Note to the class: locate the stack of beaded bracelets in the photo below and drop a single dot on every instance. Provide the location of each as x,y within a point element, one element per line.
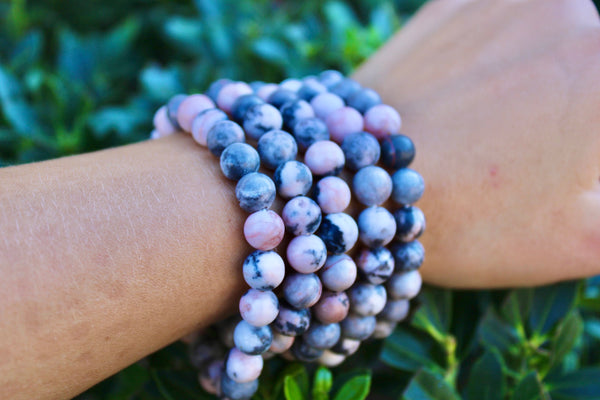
<point>324,311</point>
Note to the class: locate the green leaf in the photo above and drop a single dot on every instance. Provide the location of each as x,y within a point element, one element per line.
<point>410,350</point>
<point>427,385</point>
<point>579,385</point>
<point>567,334</point>
<point>528,388</point>
<point>298,373</point>
<point>495,333</point>
<point>161,83</point>
<point>486,381</point>
<point>322,384</point>
<point>356,388</point>
<point>550,304</point>
<point>435,313</point>
<point>291,389</point>
<point>516,306</point>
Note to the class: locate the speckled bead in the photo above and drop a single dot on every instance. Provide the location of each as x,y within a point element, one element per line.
<point>407,256</point>
<point>375,265</point>
<point>395,310</point>
<point>372,185</point>
<point>404,285</point>
<point>232,390</point>
<point>410,222</point>
<point>310,130</point>
<point>191,106</point>
<point>310,88</point>
<point>162,123</point>
<point>238,160</point>
<point>324,158</point>
<point>357,327</point>
<point>376,226</point>
<point>332,194</point>
<point>331,359</point>
<point>339,232</point>
<point>345,88</point>
<point>243,104</point>
<point>301,216</point>
<point>259,308</point>
<point>367,299</point>
<point>264,270</point>
<point>266,90</point>
<point>215,88</point>
<point>325,103</point>
<point>322,336</point>
<point>230,93</point>
<point>281,96</point>
<point>332,307</point>
<point>210,377</point>
<point>295,111</point>
<point>384,328</point>
<point>172,107</point>
<point>361,149</point>
<point>264,229</point>
<point>338,273</point>
<point>302,290</point>
<point>242,367</point>
<point>281,343</point>
<point>306,254</point>
<point>397,151</point>
<point>346,346</point>
<point>255,191</point>
<point>292,178</point>
<point>292,322</point>
<point>363,99</point>
<point>304,352</point>
<point>222,134</point>
<point>382,120</point>
<point>330,77</point>
<point>291,84</point>
<point>205,349</point>
<point>251,339</point>
<point>203,122</point>
<point>408,186</point>
<point>260,119</point>
<point>343,122</point>
<point>276,147</point>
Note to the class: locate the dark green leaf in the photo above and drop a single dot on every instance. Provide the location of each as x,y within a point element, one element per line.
<point>516,306</point>
<point>291,389</point>
<point>578,385</point>
<point>567,334</point>
<point>322,383</point>
<point>427,385</point>
<point>528,388</point>
<point>486,381</point>
<point>410,350</point>
<point>356,388</point>
<point>495,333</point>
<point>551,303</point>
<point>435,313</point>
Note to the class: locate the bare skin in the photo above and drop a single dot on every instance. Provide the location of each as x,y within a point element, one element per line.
<point>109,256</point>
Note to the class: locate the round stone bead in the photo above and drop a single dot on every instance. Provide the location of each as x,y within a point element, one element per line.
<point>243,367</point>
<point>230,93</point>
<point>361,149</point>
<point>331,359</point>
<point>404,285</point>
<point>363,99</point>
<point>306,254</point>
<point>162,123</point>
<point>382,121</point>
<point>259,308</point>
<point>345,88</point>
<point>210,377</point>
<point>255,191</point>
<point>239,159</point>
<point>332,307</point>
<point>332,194</point>
<point>222,134</point>
<point>339,232</point>
<point>410,222</point>
<point>264,229</point>
<point>304,352</point>
<point>292,84</point>
<point>325,103</point>
<point>408,186</point>
<point>384,328</point>
<point>357,327</point>
<point>276,147</point>
<point>203,122</point>
<point>264,270</point>
<point>256,85</point>
<point>376,226</point>
<point>251,339</point>
<point>322,336</point>
<point>395,310</point>
<point>330,77</point>
<point>242,104</point>
<point>215,88</point>
<point>281,96</point>
<point>302,290</point>
<point>232,390</point>
<point>172,107</point>
<point>346,346</point>
<point>260,119</point>
<point>338,273</point>
<point>203,350</point>
<point>367,299</point>
<point>372,185</point>
<point>292,178</point>
<point>375,265</point>
<point>397,151</point>
<point>324,158</point>
<point>266,90</point>
<point>190,107</point>
<point>407,256</point>
<point>343,122</point>
<point>301,216</point>
<point>294,111</point>
<point>310,88</point>
<point>281,343</point>
<point>226,328</point>
<point>310,130</point>
<point>292,322</point>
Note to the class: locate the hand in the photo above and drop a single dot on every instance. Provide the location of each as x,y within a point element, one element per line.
<point>502,99</point>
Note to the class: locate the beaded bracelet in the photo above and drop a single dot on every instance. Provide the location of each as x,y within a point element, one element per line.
<point>329,301</point>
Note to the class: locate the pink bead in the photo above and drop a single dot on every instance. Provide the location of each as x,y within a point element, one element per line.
<point>382,121</point>
<point>332,307</point>
<point>230,93</point>
<point>291,84</point>
<point>338,273</point>
<point>331,359</point>
<point>326,103</point>
<point>266,90</point>
<point>343,122</point>
<point>306,254</point>
<point>324,158</point>
<point>190,107</point>
<point>281,342</point>
<point>204,122</point>
<point>259,308</point>
<point>242,367</point>
<point>264,229</point>
<point>162,124</point>
<point>333,195</point>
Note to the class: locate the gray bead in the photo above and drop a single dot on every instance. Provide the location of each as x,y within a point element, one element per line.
<point>410,223</point>
<point>408,186</point>
<point>330,77</point>
<point>375,265</point>
<point>239,159</point>
<point>361,150</point>
<point>372,185</point>
<point>222,134</point>
<point>384,328</point>
<point>395,310</point>
<point>215,88</point>
<point>260,119</point>
<point>310,130</point>
<point>281,96</point>
<point>397,151</point>
<point>345,88</point>
<point>376,226</point>
<point>295,111</point>
<point>339,232</point>
<point>251,339</point>
<point>172,107</point>
<point>276,147</point>
<point>346,346</point>
<point>237,391</point>
<point>322,336</point>
<point>367,299</point>
<point>407,256</point>
<point>310,88</point>
<point>292,178</point>
<point>242,104</point>
<point>305,352</point>
<point>364,99</point>
<point>291,322</point>
<point>255,191</point>
<point>301,215</point>
<point>404,285</point>
<point>357,327</point>
<point>302,290</point>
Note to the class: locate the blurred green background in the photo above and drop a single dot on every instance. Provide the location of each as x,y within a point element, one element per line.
<point>78,76</point>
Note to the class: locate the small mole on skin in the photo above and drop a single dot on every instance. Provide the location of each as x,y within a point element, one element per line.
<point>494,175</point>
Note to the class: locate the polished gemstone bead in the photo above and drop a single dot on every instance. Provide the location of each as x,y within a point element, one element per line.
<point>367,299</point>
<point>251,339</point>
<point>255,191</point>
<point>357,327</point>
<point>361,149</point>
<point>222,134</point>
<point>408,186</point>
<point>325,103</point>
<point>407,256</point>
<point>306,254</point>
<point>375,265</point>
<point>264,229</point>
<point>264,270</point>
<point>372,185</point>
<point>260,119</point>
<point>410,222</point>
<point>376,226</point>
<point>397,151</point>
<point>259,308</point>
<point>242,367</point>
<point>230,93</point>
<point>382,121</point>
<point>292,178</point>
<point>308,131</point>
<point>238,160</point>
<point>324,158</point>
<point>338,273</point>
<point>292,322</point>
<point>276,147</point>
<point>404,285</point>
<point>203,122</point>
<point>332,307</point>
<point>301,216</point>
<point>302,290</point>
<point>339,232</point>
<point>343,122</point>
<point>332,194</point>
<point>363,99</point>
<point>322,336</point>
